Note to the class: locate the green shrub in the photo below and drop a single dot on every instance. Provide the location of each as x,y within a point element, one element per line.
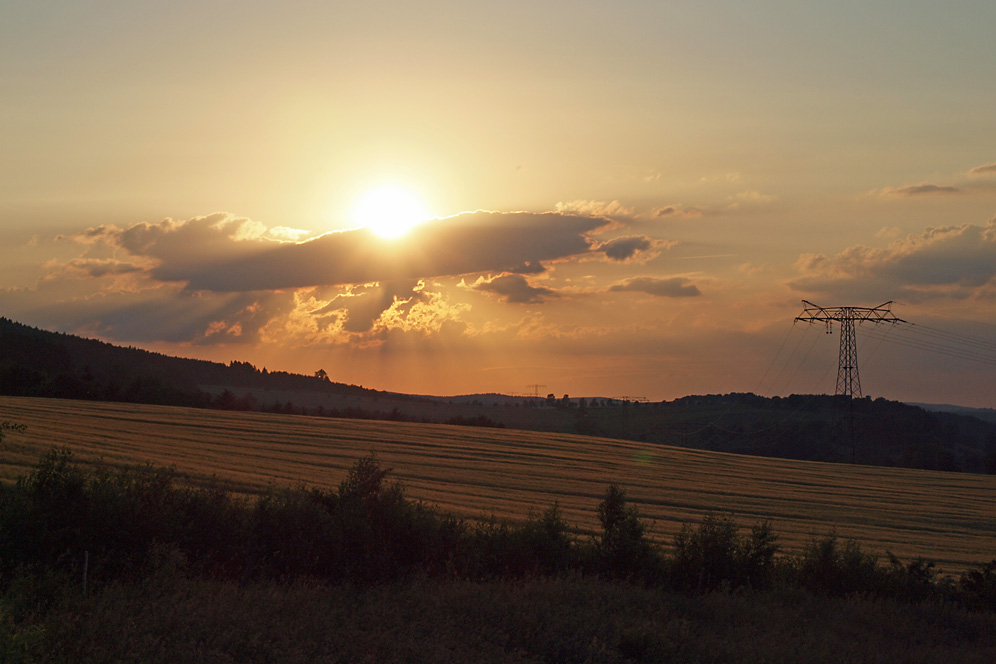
<point>914,581</point>
<point>548,542</point>
<point>827,567</point>
<point>715,555</point>
<point>540,546</point>
<point>979,586</point>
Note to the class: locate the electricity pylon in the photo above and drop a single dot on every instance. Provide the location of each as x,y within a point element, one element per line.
<point>535,388</point>
<point>848,380</point>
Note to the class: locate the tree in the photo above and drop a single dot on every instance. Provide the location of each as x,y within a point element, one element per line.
<point>624,551</point>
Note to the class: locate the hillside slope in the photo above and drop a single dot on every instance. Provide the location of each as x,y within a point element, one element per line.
<point>477,472</point>
<point>812,427</point>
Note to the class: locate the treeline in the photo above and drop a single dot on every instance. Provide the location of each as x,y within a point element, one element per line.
<point>64,527</point>
<point>808,427</point>
<point>38,363</point>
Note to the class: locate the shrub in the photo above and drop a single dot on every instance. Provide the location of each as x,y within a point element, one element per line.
<point>541,545</point>
<point>914,581</point>
<point>548,542</point>
<point>828,568</point>
<point>290,536</point>
<point>979,586</point>
<point>714,555</point>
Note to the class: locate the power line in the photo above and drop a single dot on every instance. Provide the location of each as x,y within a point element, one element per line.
<point>848,379</point>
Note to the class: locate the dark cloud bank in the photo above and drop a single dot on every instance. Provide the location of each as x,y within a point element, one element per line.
<point>215,254</point>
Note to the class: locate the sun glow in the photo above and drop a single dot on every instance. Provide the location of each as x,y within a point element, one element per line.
<point>389,211</point>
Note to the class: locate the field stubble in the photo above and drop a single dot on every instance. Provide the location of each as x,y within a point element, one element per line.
<point>478,472</point>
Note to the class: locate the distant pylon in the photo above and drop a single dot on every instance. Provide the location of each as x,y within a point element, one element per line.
<point>848,380</point>
<point>535,387</point>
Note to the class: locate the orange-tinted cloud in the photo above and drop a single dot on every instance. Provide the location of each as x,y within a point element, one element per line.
<point>672,211</point>
<point>630,246</point>
<point>594,208</point>
<point>658,286</point>
<point>514,288</point>
<point>226,254</point>
<point>951,260</point>
<point>923,189</point>
<point>984,169</point>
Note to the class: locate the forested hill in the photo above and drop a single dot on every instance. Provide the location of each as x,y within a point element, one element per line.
<point>36,362</point>
<point>868,431</point>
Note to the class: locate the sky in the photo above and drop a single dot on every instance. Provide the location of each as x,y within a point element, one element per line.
<point>586,198</point>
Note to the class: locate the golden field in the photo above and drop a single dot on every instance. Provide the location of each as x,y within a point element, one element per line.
<point>476,472</point>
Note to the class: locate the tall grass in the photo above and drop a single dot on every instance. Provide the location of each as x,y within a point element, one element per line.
<point>129,565</point>
<point>111,525</point>
<point>566,619</point>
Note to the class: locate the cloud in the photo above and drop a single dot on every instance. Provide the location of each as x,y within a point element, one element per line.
<point>625,248</point>
<point>923,189</point>
<point>749,199</point>
<point>754,196</point>
<point>361,306</point>
<point>424,312</point>
<point>984,169</point>
<point>660,287</point>
<point>594,208</point>
<point>223,279</point>
<point>955,261</point>
<point>223,253</point>
<point>514,288</point>
<point>164,312</point>
<point>100,267</point>
<point>674,211</point>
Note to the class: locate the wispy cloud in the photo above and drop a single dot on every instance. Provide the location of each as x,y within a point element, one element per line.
<point>754,196</point>
<point>658,286</point>
<point>984,169</point>
<point>923,189</point>
<point>594,208</point>
<point>675,211</point>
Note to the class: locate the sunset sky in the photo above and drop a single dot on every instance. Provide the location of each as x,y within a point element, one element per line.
<point>611,199</point>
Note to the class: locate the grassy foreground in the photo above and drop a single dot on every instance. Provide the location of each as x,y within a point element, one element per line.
<point>126,566</point>
<point>544,620</point>
<point>473,472</point>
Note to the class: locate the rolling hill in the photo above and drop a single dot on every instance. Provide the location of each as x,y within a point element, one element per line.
<point>38,363</point>
<point>479,472</point>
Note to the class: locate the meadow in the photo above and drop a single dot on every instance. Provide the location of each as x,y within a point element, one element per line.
<point>476,473</point>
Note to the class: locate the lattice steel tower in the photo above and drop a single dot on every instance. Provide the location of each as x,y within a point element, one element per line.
<point>848,380</point>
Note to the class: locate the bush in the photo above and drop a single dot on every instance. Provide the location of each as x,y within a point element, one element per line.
<point>914,581</point>
<point>548,542</point>
<point>61,524</point>
<point>828,568</point>
<point>540,546</point>
<point>979,586</point>
<point>715,556</point>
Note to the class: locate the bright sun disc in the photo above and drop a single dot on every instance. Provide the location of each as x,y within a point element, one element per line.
<point>389,211</point>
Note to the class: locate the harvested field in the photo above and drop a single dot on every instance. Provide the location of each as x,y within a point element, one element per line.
<point>477,472</point>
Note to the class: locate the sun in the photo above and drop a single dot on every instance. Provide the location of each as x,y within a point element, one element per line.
<point>389,210</point>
